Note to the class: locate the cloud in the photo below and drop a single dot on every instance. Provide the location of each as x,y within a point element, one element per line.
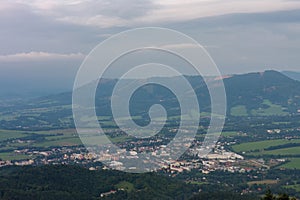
<point>129,13</point>
<point>239,34</point>
<point>39,56</point>
<point>98,20</point>
<point>179,46</point>
<point>187,46</point>
<point>103,13</point>
<point>171,10</point>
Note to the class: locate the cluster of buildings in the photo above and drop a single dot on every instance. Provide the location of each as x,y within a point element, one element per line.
<point>59,155</point>
<point>150,155</point>
<point>219,159</point>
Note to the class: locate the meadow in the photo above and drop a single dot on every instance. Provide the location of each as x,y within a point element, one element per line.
<point>261,145</point>
<point>11,140</point>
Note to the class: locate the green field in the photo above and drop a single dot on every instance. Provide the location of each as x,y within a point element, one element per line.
<point>60,142</point>
<point>229,133</point>
<point>232,134</point>
<point>258,149</point>
<point>67,137</point>
<point>261,145</point>
<point>13,156</point>
<point>239,111</point>
<point>125,185</point>
<point>295,187</point>
<point>272,109</point>
<point>263,182</point>
<point>268,109</point>
<point>280,152</point>
<point>11,134</point>
<point>294,163</point>
<point>196,183</point>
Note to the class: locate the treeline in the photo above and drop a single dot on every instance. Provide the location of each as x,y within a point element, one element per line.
<point>66,182</point>
<point>270,196</point>
<point>289,145</point>
<point>74,182</point>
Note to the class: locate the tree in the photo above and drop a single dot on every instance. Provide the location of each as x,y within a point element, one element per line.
<point>283,197</point>
<point>269,195</point>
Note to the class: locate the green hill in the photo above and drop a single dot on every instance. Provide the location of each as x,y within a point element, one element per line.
<point>255,94</point>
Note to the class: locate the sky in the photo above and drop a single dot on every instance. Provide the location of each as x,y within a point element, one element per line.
<point>46,41</point>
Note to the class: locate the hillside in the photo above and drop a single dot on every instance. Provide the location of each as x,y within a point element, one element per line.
<point>293,75</point>
<point>254,89</point>
<point>74,182</point>
<point>255,94</point>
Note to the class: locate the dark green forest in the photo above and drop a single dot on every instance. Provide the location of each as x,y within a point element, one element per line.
<point>74,182</point>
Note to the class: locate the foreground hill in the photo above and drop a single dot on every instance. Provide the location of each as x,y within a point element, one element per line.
<point>74,182</point>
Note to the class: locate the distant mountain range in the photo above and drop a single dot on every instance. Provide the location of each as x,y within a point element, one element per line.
<point>250,90</point>
<point>255,89</point>
<point>254,94</point>
<point>293,75</point>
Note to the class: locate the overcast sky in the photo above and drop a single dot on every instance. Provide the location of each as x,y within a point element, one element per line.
<point>48,39</point>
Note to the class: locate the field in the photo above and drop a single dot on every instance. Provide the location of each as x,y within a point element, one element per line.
<point>263,182</point>
<point>261,145</point>
<point>73,141</point>
<point>292,151</point>
<point>13,156</point>
<point>239,111</point>
<point>232,134</point>
<point>294,163</point>
<point>13,140</point>
<point>124,185</point>
<point>272,109</point>
<point>295,187</point>
<point>9,134</point>
<point>268,109</point>
<point>197,183</point>
<point>258,149</point>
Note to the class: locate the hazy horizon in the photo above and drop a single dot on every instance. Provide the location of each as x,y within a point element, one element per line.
<point>43,43</point>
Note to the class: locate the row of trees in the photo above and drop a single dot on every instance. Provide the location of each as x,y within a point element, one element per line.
<point>270,196</point>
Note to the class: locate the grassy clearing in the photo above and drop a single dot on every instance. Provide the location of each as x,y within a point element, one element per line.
<point>280,123</point>
<point>197,183</point>
<point>272,110</point>
<point>263,182</point>
<point>230,133</point>
<point>13,156</point>
<point>120,139</point>
<point>61,142</point>
<point>125,185</point>
<point>103,118</point>
<point>11,134</point>
<point>67,137</point>
<point>295,187</point>
<point>239,111</point>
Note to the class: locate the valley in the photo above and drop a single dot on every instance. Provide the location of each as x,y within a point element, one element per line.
<point>258,148</point>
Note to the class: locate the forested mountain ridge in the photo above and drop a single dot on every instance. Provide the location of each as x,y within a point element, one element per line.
<point>269,93</point>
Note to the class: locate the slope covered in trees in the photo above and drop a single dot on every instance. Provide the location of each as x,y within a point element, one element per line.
<point>73,182</point>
